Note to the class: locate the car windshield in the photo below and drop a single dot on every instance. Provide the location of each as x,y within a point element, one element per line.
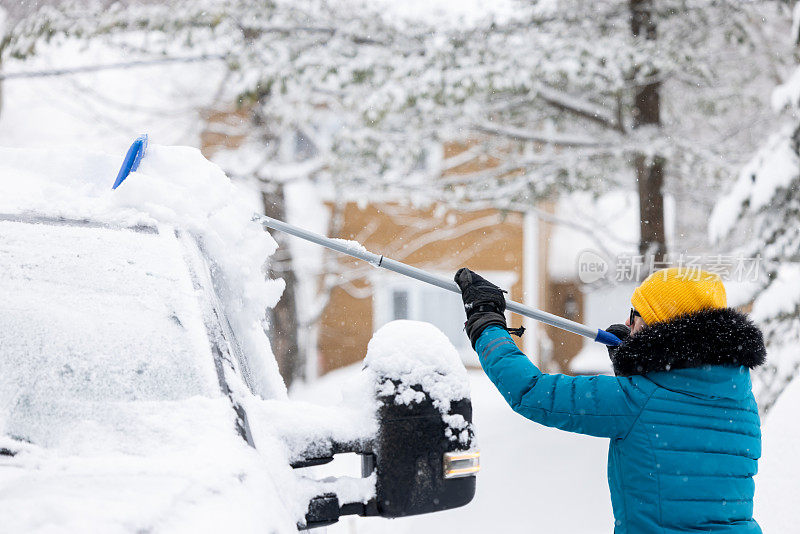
<point>91,317</point>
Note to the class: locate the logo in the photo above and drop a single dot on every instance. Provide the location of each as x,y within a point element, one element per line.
<point>591,267</point>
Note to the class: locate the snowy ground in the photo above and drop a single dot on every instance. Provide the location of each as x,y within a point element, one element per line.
<point>777,486</point>
<point>532,479</point>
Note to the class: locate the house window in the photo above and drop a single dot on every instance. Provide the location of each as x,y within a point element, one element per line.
<point>444,310</point>
<point>399,298</point>
<point>400,304</point>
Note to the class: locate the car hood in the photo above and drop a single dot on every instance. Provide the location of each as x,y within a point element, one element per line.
<point>172,466</point>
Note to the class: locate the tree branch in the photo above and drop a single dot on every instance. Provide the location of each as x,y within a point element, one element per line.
<point>109,66</point>
<point>556,139</point>
<point>582,108</point>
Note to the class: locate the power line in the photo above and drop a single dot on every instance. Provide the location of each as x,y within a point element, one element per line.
<point>109,66</point>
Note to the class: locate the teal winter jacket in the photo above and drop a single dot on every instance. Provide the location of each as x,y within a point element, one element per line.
<point>680,414</point>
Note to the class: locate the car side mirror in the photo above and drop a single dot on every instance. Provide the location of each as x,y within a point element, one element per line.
<point>424,455</point>
<point>421,463</point>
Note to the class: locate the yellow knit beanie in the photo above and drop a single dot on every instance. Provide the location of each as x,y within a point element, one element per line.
<point>677,291</point>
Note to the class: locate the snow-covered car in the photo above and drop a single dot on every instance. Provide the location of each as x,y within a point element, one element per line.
<point>137,389</point>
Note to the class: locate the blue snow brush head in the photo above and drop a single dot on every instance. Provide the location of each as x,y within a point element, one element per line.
<point>132,159</point>
<point>607,338</point>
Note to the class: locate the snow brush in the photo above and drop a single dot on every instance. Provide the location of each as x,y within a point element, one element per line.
<point>358,251</point>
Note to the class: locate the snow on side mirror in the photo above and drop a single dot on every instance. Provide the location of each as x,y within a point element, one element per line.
<point>424,456</point>
<point>425,435</point>
<point>417,454</point>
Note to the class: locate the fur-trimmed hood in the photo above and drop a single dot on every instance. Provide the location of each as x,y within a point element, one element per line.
<point>708,337</point>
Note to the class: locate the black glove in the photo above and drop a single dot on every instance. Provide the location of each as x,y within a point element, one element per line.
<point>619,330</point>
<point>483,301</point>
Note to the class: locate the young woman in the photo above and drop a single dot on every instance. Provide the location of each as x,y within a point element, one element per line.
<point>680,413</point>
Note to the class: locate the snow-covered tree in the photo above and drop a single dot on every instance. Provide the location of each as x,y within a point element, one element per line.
<point>762,212</point>
<point>569,94</point>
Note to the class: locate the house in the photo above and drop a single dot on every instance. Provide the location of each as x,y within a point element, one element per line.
<point>509,248</point>
<point>486,241</point>
<point>533,255</point>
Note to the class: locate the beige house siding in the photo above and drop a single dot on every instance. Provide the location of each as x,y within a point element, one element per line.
<point>224,129</point>
<point>564,299</point>
<point>436,242</point>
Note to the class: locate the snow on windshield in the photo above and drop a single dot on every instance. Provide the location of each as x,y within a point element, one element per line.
<point>93,315</point>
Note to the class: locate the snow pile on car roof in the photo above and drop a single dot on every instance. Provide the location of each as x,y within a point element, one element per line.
<point>174,187</point>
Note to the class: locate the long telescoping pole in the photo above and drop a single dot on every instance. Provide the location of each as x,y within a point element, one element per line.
<point>357,251</point>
